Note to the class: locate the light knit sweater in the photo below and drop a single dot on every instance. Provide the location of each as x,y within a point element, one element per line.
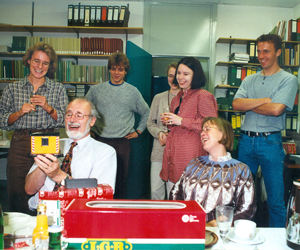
<point>118,104</point>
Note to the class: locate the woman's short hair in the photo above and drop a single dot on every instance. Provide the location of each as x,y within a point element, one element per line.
<point>46,48</point>
<point>118,59</point>
<point>199,78</point>
<point>226,129</point>
<point>173,65</point>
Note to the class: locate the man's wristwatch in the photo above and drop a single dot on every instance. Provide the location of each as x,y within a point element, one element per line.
<point>52,111</point>
<point>62,183</point>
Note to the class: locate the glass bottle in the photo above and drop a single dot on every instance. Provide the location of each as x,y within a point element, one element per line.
<point>54,237</point>
<point>40,233</point>
<point>1,229</point>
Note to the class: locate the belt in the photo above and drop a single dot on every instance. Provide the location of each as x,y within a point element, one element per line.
<point>257,134</point>
<point>33,130</point>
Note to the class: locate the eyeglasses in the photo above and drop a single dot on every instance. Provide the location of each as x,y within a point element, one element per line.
<point>77,116</point>
<point>37,62</point>
<point>207,129</point>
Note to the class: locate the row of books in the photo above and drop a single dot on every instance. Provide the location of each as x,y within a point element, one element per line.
<point>290,54</point>
<point>82,45</point>
<point>14,70</point>
<point>288,30</point>
<point>69,72</point>
<point>95,15</point>
<point>79,90</point>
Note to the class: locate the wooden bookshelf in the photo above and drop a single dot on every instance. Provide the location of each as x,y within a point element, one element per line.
<point>71,29</point>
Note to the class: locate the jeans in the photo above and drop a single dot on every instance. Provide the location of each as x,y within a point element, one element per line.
<point>267,152</point>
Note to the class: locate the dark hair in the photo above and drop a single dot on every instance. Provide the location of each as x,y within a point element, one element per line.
<point>118,59</point>
<point>198,77</point>
<point>226,129</point>
<point>173,65</point>
<point>271,38</point>
<point>46,48</point>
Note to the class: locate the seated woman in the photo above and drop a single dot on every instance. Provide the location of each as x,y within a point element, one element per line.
<point>217,179</point>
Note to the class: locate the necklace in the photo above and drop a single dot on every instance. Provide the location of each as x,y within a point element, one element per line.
<point>263,73</point>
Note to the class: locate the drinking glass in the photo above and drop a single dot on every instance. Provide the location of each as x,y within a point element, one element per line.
<point>32,94</point>
<point>223,78</point>
<point>166,110</point>
<point>22,238</point>
<point>224,216</point>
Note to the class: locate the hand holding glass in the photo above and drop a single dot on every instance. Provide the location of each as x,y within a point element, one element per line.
<point>31,96</point>
<point>224,216</point>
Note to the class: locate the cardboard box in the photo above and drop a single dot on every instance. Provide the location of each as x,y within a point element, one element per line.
<point>135,224</point>
<point>57,201</point>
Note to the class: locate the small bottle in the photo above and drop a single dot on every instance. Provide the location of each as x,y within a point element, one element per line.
<point>40,233</point>
<point>1,229</point>
<point>54,237</point>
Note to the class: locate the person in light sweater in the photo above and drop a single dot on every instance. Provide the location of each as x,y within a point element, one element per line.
<point>118,102</point>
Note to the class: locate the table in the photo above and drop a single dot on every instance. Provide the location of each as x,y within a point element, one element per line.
<point>274,237</point>
<point>274,240</point>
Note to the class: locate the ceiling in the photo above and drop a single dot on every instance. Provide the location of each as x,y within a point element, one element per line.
<point>266,3</point>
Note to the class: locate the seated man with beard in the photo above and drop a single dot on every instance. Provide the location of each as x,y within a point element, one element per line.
<point>89,158</point>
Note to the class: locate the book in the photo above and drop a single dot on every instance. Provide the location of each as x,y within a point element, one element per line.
<point>251,48</point>
<point>110,12</point>
<point>75,21</point>
<point>232,70</point>
<point>87,15</point>
<point>70,14</point>
<point>298,30</point>
<point>103,15</point>
<point>81,15</point>
<point>124,16</point>
<point>98,15</point>
<point>92,16</point>
<point>116,15</point>
<point>238,75</point>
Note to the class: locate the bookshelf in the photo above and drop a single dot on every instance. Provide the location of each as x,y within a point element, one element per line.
<point>78,30</point>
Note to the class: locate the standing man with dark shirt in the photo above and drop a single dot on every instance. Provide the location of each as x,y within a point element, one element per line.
<point>118,101</point>
<point>265,97</point>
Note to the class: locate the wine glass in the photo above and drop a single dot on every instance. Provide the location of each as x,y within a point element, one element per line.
<point>32,94</point>
<point>224,216</point>
<point>223,78</point>
<point>166,110</point>
<point>22,238</point>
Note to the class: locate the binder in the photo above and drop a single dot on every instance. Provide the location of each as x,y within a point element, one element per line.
<point>232,69</point>
<point>87,15</point>
<point>98,15</point>
<point>110,12</point>
<point>70,14</point>
<point>244,73</point>
<point>81,15</point>
<point>251,50</point>
<point>116,15</point>
<point>75,21</point>
<point>124,16</point>
<point>93,15</point>
<point>238,76</point>
<point>298,29</point>
<point>103,15</point>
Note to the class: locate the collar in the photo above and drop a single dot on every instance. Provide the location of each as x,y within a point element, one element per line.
<point>187,92</point>
<point>81,142</point>
<point>28,83</point>
<point>115,84</point>
<point>227,157</point>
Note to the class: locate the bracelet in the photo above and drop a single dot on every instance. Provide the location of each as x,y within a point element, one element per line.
<point>137,133</point>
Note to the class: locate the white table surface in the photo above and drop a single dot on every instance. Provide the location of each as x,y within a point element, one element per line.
<point>274,240</point>
<point>274,237</point>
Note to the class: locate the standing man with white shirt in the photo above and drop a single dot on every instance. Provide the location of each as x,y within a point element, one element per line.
<point>90,158</point>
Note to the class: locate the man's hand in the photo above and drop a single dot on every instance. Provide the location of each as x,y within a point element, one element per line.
<point>133,135</point>
<point>50,165</point>
<point>26,108</point>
